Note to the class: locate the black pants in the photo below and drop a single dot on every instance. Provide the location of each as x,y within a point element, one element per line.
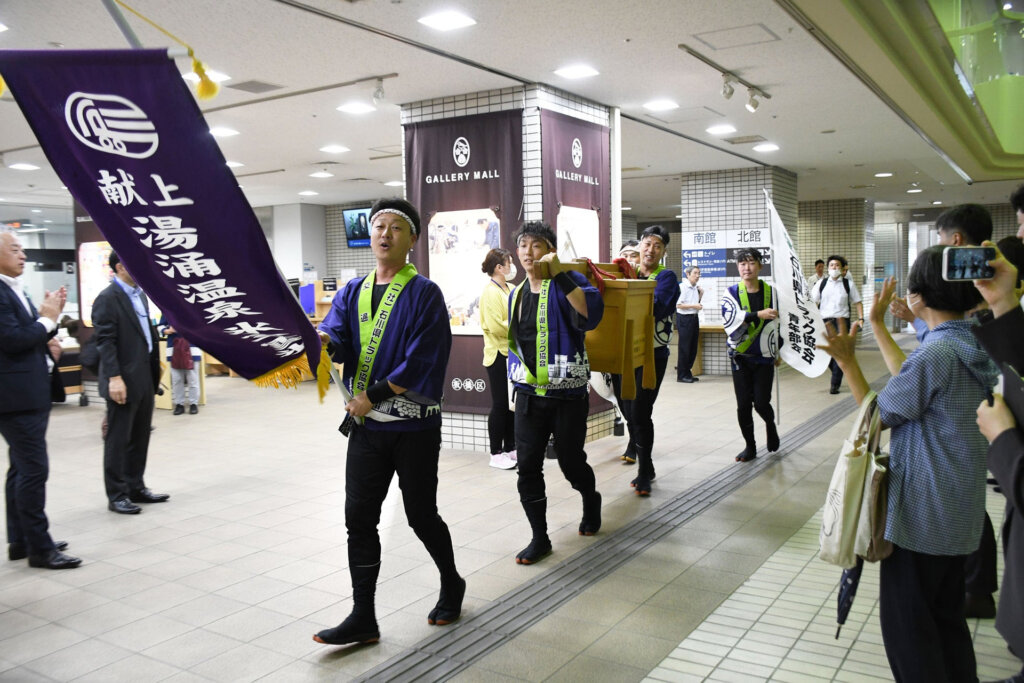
<point>921,610</point>
<point>500,421</point>
<point>837,372</point>
<point>27,472</point>
<point>374,457</point>
<point>688,327</point>
<point>980,566</point>
<point>638,411</point>
<point>127,445</point>
<point>752,383</point>
<point>537,418</point>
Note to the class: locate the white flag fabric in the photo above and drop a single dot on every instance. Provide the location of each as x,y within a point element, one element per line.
<point>801,327</point>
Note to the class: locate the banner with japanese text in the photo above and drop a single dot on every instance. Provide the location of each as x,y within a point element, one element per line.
<point>802,328</point>
<point>465,176</point>
<point>126,137</point>
<point>576,184</point>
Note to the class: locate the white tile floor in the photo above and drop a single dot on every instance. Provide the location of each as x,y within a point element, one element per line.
<point>229,580</point>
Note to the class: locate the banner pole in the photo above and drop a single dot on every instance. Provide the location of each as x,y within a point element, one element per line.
<point>771,242</point>
<point>119,19</point>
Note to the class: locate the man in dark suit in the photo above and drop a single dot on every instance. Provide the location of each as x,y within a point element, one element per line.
<point>25,376</point>
<point>127,344</point>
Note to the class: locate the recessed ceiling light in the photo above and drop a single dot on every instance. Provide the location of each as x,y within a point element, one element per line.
<point>575,71</point>
<point>321,174</point>
<point>235,164</point>
<point>660,105</point>
<point>308,193</point>
<point>884,174</point>
<point>2,28</point>
<point>47,221</point>
<point>721,129</point>
<point>679,216</point>
<point>766,147</point>
<point>357,108</point>
<point>394,183</point>
<point>334,149</point>
<point>914,190</point>
<point>215,76</point>
<point>222,132</point>
<point>936,202</point>
<point>447,21</point>
<point>23,167</point>
<point>37,210</point>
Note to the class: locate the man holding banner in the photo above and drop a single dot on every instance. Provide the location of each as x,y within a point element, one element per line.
<point>391,332</point>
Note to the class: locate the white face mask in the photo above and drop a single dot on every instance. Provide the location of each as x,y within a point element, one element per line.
<point>833,273</point>
<point>512,272</point>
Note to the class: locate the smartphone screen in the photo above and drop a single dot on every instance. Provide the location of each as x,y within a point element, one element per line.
<point>967,263</point>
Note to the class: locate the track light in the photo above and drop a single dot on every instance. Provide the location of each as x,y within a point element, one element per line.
<point>727,85</point>
<point>752,101</point>
<point>378,92</point>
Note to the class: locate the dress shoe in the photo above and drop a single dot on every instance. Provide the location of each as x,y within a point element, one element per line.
<point>54,559</point>
<point>123,506</point>
<point>16,551</point>
<point>833,390</point>
<point>147,496</point>
<point>193,409</point>
<point>688,380</point>
<point>179,409</point>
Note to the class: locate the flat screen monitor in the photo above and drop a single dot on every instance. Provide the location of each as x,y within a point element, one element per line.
<point>357,227</point>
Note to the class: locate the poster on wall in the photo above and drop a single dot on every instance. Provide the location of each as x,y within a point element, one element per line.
<point>457,240</point>
<point>579,234</point>
<point>465,176</point>
<point>714,251</point>
<point>575,163</point>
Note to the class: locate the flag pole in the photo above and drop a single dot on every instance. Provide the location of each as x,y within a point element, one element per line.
<point>122,24</point>
<point>775,368</point>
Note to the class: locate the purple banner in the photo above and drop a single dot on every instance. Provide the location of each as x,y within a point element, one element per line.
<point>465,175</point>
<point>576,168</point>
<point>125,135</point>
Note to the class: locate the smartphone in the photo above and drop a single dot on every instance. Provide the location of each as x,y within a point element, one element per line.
<point>962,264</point>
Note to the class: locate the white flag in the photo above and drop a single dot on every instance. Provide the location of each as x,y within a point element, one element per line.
<point>801,328</point>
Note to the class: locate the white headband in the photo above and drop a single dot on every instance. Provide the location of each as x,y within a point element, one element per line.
<point>400,214</point>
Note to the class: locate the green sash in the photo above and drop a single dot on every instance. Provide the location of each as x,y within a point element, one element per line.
<point>654,273</point>
<point>371,331</point>
<point>753,330</point>
<point>541,379</point>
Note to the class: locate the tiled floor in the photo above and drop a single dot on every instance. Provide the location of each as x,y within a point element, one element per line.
<point>229,580</point>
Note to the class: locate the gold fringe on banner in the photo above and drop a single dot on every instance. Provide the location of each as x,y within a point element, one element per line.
<point>297,370</point>
<point>206,88</point>
<point>3,86</point>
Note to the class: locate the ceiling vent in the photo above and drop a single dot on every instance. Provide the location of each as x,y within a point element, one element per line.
<point>255,87</point>
<point>741,36</point>
<point>745,140</point>
<point>686,114</point>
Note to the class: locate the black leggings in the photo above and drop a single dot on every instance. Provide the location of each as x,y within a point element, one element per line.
<point>753,385</point>
<point>500,421</point>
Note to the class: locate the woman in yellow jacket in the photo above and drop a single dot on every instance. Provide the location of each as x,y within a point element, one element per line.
<point>494,321</point>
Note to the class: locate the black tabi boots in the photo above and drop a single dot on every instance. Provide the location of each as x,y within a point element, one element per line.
<point>591,523</point>
<point>750,452</point>
<point>540,545</point>
<point>361,625</point>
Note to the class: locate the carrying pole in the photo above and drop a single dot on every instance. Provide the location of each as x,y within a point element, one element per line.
<point>122,24</point>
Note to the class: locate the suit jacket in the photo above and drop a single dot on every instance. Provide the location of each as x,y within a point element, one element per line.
<point>24,374</point>
<point>1001,338</point>
<point>121,344</point>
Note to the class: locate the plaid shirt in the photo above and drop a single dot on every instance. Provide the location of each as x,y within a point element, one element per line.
<point>937,454</point>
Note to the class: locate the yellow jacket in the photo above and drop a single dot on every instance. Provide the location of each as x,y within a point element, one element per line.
<point>494,321</point>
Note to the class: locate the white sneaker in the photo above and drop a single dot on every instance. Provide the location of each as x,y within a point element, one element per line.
<point>511,455</point>
<point>502,462</point>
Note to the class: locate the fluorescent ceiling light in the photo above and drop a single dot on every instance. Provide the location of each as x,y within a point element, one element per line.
<point>447,21</point>
<point>395,183</point>
<point>627,208</point>
<point>308,193</point>
<point>2,28</point>
<point>575,71</point>
<point>37,210</point>
<point>47,221</point>
<point>936,202</point>
<point>660,105</point>
<point>22,231</point>
<point>321,174</point>
<point>222,132</point>
<point>914,190</point>
<point>884,174</point>
<point>766,147</point>
<point>679,216</point>
<point>215,76</point>
<point>357,108</point>
<point>334,149</point>
<point>235,164</point>
<point>23,167</point>
<point>721,129</point>
<point>1006,6</point>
